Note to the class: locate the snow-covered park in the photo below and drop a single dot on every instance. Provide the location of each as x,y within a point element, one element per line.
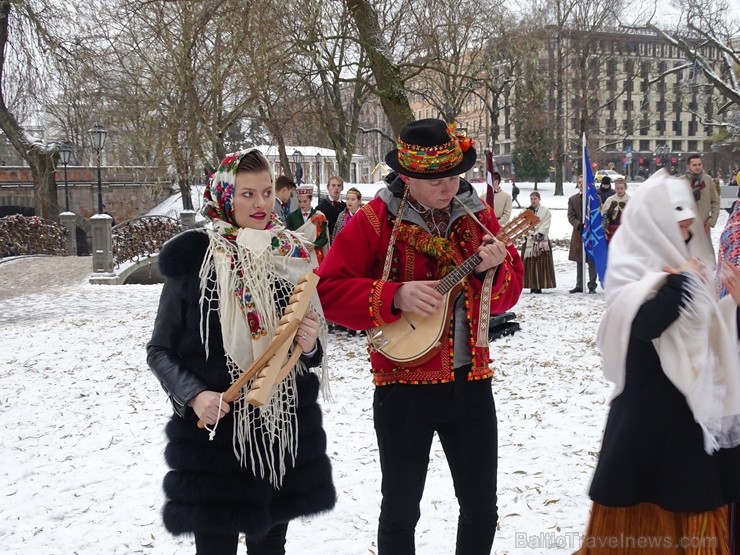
<point>82,417</point>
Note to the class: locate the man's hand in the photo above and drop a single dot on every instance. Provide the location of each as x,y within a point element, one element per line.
<point>492,252</point>
<point>707,227</point>
<point>419,297</point>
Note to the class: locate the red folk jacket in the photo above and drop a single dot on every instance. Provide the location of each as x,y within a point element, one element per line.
<point>354,295</point>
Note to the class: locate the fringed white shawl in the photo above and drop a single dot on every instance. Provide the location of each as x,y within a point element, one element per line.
<point>699,352</point>
<point>260,268</point>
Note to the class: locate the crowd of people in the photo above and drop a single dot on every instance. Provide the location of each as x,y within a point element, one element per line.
<point>420,269</point>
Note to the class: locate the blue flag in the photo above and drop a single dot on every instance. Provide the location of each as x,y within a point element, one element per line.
<point>594,239</point>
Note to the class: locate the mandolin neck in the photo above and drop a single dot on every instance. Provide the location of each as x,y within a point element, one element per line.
<point>458,274</point>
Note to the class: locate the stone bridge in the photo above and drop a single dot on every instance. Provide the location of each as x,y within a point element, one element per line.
<point>128,192</point>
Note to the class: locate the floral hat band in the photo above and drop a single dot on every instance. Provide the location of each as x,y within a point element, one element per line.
<point>430,149</point>
<point>435,159</point>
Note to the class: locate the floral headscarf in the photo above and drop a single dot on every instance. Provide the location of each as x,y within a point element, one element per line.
<point>252,273</point>
<point>729,246</point>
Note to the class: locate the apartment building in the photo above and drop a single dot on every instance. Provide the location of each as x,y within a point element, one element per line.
<point>642,106</point>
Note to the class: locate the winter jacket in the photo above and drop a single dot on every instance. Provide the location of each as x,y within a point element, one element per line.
<point>207,488</point>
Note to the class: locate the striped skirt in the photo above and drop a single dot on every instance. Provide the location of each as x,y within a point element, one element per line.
<point>646,529</point>
<point>539,271</point>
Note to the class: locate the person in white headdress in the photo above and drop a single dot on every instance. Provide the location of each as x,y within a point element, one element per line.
<point>669,463</point>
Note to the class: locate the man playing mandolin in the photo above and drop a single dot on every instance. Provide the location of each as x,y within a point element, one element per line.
<point>385,274</point>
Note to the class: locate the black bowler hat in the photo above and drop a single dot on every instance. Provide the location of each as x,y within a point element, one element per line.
<point>429,149</point>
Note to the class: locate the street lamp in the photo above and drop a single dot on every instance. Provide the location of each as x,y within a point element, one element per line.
<point>65,153</point>
<point>318,176</point>
<point>187,203</point>
<point>298,160</point>
<point>97,139</point>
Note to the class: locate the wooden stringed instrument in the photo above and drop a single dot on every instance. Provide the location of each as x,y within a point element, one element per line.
<point>413,339</point>
<point>271,367</point>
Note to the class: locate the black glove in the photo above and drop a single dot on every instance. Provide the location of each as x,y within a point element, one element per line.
<point>580,227</point>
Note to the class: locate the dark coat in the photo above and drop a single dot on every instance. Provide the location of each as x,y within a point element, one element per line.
<point>331,212</point>
<point>207,489</point>
<point>575,218</point>
<point>653,450</point>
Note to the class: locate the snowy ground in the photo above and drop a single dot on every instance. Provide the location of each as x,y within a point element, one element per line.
<point>81,421</point>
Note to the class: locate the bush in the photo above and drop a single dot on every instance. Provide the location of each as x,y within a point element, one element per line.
<point>21,235</point>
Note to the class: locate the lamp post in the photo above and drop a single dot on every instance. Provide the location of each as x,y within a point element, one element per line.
<point>65,153</point>
<point>298,160</point>
<point>318,176</point>
<point>97,139</point>
<point>187,203</point>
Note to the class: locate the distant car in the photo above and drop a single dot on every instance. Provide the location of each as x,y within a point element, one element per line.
<point>611,173</point>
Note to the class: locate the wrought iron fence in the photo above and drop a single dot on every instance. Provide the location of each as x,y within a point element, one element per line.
<point>137,239</point>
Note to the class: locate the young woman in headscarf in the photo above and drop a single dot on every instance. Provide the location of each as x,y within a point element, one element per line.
<point>252,470</point>
<point>353,200</point>
<point>539,269</point>
<point>668,467</point>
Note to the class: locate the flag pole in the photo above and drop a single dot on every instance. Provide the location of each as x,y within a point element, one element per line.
<point>584,191</point>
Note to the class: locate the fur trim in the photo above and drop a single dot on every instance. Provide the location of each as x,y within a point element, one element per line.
<point>183,253</point>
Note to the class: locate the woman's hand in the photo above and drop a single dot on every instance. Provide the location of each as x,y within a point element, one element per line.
<point>731,280</point>
<point>308,332</point>
<point>693,265</point>
<point>209,407</point>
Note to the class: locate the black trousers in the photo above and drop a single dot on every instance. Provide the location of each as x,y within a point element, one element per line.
<point>463,415</point>
<point>207,543</point>
<point>591,274</point>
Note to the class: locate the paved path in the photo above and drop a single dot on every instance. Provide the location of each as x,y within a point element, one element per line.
<point>39,274</point>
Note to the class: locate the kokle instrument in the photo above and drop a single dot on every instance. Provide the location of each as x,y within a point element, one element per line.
<point>414,339</point>
<point>274,364</point>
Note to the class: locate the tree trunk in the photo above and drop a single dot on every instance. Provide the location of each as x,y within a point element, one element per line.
<point>41,160</point>
<point>391,89</point>
<point>559,116</point>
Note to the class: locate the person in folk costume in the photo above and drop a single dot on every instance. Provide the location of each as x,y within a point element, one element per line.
<point>353,200</point>
<point>422,225</point>
<point>501,201</point>
<point>539,269</point>
<point>310,221</point>
<point>668,466</point>
<point>729,248</point>
<point>225,292</point>
<point>332,205</point>
<point>611,210</point>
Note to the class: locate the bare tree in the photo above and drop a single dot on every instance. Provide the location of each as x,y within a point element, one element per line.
<point>707,36</point>
<point>23,40</point>
<point>389,81</point>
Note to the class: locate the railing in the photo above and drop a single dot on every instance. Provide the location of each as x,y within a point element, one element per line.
<point>140,238</point>
<point>22,235</point>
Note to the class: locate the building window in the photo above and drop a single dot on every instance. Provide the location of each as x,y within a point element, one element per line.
<point>507,148</point>
<point>627,105</point>
<point>693,127</point>
<point>693,146</point>
<point>626,145</point>
<point>644,145</point>
<point>677,127</point>
<point>676,146</point>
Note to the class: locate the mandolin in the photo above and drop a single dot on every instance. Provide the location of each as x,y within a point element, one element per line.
<point>414,339</point>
